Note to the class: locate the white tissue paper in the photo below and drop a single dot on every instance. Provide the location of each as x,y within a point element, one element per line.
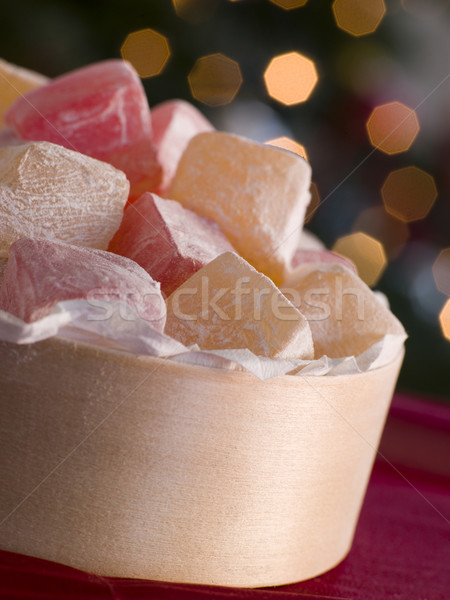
<point>125,330</point>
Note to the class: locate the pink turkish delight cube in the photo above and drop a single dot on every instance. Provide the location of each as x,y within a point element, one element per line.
<point>175,122</point>
<point>41,273</point>
<point>100,110</point>
<point>170,242</point>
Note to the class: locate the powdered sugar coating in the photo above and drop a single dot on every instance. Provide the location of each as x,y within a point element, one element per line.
<point>40,273</point>
<point>50,192</point>
<point>100,110</point>
<point>175,123</point>
<point>228,304</point>
<point>303,256</point>
<point>170,242</point>
<point>256,193</point>
<point>345,316</point>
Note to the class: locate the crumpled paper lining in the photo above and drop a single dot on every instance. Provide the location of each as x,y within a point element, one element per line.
<point>77,320</point>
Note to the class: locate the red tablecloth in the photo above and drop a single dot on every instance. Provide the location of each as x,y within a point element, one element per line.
<point>401,549</point>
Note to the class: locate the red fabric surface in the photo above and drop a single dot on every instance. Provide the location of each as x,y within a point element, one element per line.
<point>401,548</point>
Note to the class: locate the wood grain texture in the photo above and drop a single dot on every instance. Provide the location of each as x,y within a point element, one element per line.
<point>175,472</point>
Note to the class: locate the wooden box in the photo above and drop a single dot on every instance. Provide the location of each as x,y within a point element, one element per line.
<point>142,467</point>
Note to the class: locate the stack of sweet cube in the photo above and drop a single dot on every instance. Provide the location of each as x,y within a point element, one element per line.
<point>198,230</point>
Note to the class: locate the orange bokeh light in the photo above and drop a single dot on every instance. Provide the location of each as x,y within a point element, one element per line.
<point>444,320</point>
<point>195,11</point>
<point>377,223</point>
<point>147,50</point>
<point>289,4</point>
<point>215,79</point>
<point>358,17</point>
<point>366,253</point>
<point>392,127</point>
<point>441,271</point>
<point>409,194</point>
<point>288,144</point>
<point>290,78</point>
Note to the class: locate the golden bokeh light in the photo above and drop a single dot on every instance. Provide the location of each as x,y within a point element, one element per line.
<point>147,50</point>
<point>215,79</point>
<point>377,223</point>
<point>314,203</point>
<point>392,127</point>
<point>290,78</point>
<point>409,194</point>
<point>195,11</point>
<point>359,17</point>
<point>289,4</point>
<point>366,252</point>
<point>444,320</point>
<point>288,144</point>
<point>441,271</point>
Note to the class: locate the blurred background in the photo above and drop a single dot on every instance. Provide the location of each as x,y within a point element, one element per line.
<point>360,87</point>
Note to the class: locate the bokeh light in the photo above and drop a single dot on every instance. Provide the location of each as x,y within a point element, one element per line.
<point>358,17</point>
<point>215,79</point>
<point>409,194</point>
<point>377,223</point>
<point>195,11</point>
<point>366,252</point>
<point>392,127</point>
<point>290,78</point>
<point>441,271</point>
<point>147,50</point>
<point>444,320</point>
<point>289,4</point>
<point>289,144</point>
<point>359,69</point>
